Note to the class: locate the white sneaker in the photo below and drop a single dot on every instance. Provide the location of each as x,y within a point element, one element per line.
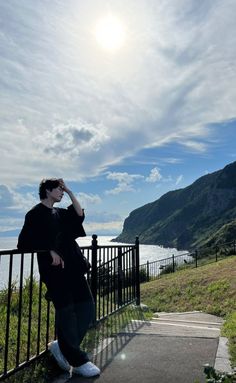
<point>56,352</point>
<point>87,370</point>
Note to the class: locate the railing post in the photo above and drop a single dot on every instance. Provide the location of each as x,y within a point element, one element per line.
<point>30,306</point>
<point>216,253</point>
<point>8,314</point>
<point>173,263</point>
<point>94,273</point>
<point>137,277</point>
<point>119,277</point>
<point>234,246</point>
<point>148,275</point>
<point>196,255</point>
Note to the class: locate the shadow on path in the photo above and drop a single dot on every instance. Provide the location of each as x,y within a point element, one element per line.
<point>106,344</point>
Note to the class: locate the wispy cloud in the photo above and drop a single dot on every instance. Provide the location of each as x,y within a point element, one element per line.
<point>103,222</point>
<point>89,199</point>
<point>172,160</point>
<point>195,145</point>
<point>12,202</point>
<point>8,224</point>
<point>13,206</point>
<point>103,227</point>
<point>6,197</point>
<point>70,108</point>
<point>179,179</point>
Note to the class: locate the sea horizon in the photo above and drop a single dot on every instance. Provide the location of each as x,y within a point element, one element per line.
<point>149,253</point>
<point>10,243</point>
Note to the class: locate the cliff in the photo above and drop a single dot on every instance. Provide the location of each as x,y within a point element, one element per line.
<point>201,214</point>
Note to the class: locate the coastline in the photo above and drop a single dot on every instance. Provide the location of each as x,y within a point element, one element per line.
<point>148,253</point>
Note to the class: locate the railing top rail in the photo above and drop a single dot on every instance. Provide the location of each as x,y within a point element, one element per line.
<point>183,254</point>
<point>158,260</point>
<point>166,259</point>
<point>17,251</point>
<point>114,246</point>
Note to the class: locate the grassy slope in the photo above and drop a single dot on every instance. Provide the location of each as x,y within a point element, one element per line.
<point>210,288</point>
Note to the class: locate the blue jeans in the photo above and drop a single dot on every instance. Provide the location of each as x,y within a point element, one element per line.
<point>72,323</point>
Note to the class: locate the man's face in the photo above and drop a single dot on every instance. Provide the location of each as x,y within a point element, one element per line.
<point>55,194</point>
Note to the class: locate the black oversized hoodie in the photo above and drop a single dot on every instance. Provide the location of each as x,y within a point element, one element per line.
<point>56,229</point>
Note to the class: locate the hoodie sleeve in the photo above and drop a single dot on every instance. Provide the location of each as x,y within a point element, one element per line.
<point>28,238</point>
<point>35,233</point>
<point>73,223</point>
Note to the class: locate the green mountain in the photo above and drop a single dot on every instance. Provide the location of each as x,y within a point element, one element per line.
<point>201,214</point>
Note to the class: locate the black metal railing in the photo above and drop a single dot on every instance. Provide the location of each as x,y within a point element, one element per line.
<point>152,270</point>
<point>27,319</point>
<point>113,278</point>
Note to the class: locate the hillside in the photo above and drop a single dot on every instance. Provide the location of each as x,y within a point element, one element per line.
<point>210,288</point>
<point>201,214</point>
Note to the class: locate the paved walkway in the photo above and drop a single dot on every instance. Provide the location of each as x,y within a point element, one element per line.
<point>171,348</point>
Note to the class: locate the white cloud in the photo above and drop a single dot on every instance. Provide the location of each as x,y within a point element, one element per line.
<point>72,139</point>
<point>103,222</point>
<point>179,179</point>
<point>6,197</point>
<point>24,202</point>
<point>125,182</point>
<point>154,175</point>
<point>86,200</point>
<point>10,224</point>
<point>13,206</point>
<point>69,108</point>
<point>89,199</point>
<point>12,202</point>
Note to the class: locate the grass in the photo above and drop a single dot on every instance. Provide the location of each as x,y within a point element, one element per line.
<point>210,288</point>
<point>27,328</point>
<point>229,330</point>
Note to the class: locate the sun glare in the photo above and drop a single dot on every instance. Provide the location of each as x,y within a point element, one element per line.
<point>110,33</point>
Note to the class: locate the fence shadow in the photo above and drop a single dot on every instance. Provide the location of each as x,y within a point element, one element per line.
<point>107,345</point>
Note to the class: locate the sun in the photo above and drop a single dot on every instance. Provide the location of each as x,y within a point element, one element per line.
<point>110,33</point>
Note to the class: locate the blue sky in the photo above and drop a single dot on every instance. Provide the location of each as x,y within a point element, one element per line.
<point>124,122</point>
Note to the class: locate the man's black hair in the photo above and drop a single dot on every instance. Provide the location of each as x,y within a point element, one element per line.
<point>47,184</point>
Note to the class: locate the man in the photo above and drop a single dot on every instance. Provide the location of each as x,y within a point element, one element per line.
<point>62,269</point>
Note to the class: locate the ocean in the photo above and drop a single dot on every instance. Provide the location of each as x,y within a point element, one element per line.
<point>147,253</point>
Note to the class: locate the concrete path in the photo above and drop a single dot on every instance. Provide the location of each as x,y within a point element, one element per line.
<point>171,348</point>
